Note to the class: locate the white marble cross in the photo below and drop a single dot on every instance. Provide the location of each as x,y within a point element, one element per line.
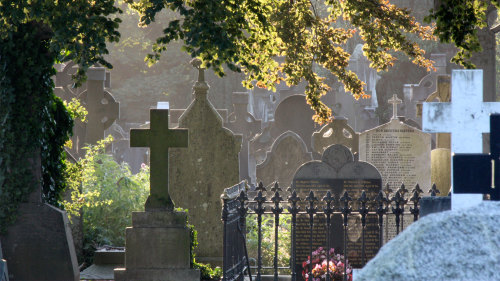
<point>466,117</point>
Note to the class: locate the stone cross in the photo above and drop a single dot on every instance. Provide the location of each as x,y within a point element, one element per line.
<point>102,108</point>
<point>395,101</point>
<point>159,138</point>
<point>243,122</point>
<point>465,117</point>
<point>480,173</point>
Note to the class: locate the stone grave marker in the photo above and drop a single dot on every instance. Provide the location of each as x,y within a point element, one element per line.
<point>401,153</point>
<point>336,132</point>
<point>242,122</point>
<point>157,246</point>
<point>102,108</point>
<point>199,174</point>
<point>338,172</point>
<point>39,245</point>
<point>465,117</point>
<point>294,114</point>
<point>287,154</point>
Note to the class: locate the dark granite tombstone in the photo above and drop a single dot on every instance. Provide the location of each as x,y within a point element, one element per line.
<point>338,172</point>
<point>434,204</point>
<point>39,245</point>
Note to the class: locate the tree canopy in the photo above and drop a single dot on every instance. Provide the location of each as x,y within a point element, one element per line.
<point>248,36</point>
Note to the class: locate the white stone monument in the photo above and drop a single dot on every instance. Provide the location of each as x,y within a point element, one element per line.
<point>466,117</point>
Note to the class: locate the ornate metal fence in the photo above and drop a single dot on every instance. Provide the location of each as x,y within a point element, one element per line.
<point>235,260</point>
<point>304,209</point>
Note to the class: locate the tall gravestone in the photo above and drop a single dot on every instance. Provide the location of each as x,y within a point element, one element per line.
<point>338,172</point>
<point>102,108</point>
<point>39,245</point>
<point>199,174</point>
<point>465,117</point>
<point>401,153</point>
<point>287,154</point>
<point>157,246</point>
<point>335,132</point>
<point>242,122</point>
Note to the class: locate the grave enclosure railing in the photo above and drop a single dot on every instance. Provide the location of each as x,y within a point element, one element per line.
<point>238,202</point>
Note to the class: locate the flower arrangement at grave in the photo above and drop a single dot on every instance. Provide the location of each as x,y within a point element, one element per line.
<point>319,263</point>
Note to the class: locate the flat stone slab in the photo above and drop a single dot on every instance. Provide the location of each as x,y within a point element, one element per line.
<point>453,245</point>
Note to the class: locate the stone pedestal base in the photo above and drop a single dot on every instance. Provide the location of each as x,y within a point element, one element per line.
<point>157,248</point>
<point>39,245</point>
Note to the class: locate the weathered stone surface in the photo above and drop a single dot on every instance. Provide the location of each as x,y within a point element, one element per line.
<point>287,154</point>
<point>157,248</point>
<point>199,174</point>
<point>39,246</point>
<point>447,246</point>
<point>441,170</point>
<point>336,132</point>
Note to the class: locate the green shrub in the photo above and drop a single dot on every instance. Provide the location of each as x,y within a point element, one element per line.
<point>105,193</point>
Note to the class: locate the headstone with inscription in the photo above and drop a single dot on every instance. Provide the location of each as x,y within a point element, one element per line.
<point>401,153</point>
<point>336,132</point>
<point>242,122</point>
<point>199,174</point>
<point>287,154</point>
<point>338,172</point>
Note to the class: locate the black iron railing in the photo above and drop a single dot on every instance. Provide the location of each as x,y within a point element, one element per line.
<point>312,211</point>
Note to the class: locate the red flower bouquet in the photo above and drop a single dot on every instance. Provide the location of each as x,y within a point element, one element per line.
<point>319,266</point>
